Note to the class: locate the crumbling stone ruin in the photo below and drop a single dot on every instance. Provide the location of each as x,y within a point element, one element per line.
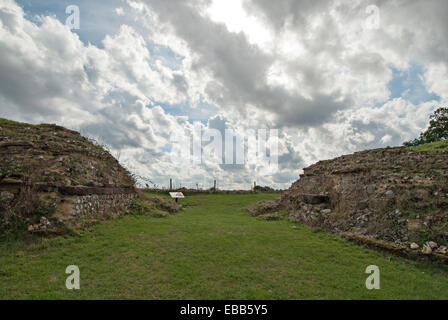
<point>52,178</point>
<point>392,196</point>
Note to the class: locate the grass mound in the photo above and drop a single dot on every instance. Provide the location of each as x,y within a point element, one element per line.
<point>154,206</point>
<point>266,210</point>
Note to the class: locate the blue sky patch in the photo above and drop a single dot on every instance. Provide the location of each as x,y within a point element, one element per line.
<point>97,18</point>
<point>409,85</point>
<point>201,113</point>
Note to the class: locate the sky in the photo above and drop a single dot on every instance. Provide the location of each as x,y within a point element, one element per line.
<point>323,77</point>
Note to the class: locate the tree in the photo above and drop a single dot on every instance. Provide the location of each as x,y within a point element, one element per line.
<point>437,130</point>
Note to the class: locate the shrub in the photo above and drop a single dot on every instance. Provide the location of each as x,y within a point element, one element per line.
<point>16,212</point>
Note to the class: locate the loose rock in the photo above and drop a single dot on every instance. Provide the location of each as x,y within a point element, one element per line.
<point>442,250</point>
<point>390,194</point>
<point>431,244</point>
<point>414,246</point>
<point>426,249</point>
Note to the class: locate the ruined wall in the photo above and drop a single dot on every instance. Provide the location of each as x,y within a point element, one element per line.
<point>88,203</point>
<point>392,194</point>
<point>53,155</point>
<point>100,203</point>
<point>57,208</point>
<point>52,178</point>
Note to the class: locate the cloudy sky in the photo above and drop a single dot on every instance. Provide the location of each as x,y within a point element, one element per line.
<point>333,77</point>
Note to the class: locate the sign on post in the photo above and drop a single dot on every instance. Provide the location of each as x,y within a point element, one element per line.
<point>177,195</point>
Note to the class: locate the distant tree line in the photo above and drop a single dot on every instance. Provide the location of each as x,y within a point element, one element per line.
<point>264,189</point>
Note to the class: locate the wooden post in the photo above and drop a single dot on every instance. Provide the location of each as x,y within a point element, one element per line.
<point>255,184</point>
<point>214,185</point>
<point>171,184</point>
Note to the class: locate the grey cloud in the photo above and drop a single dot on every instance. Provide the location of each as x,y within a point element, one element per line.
<point>277,13</point>
<point>291,160</point>
<point>240,69</point>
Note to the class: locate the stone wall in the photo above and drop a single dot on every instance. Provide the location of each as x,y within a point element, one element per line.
<point>62,207</point>
<point>52,177</point>
<point>93,202</point>
<point>392,194</point>
<point>91,205</point>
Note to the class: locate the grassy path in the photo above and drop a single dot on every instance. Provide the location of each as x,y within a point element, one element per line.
<point>211,250</point>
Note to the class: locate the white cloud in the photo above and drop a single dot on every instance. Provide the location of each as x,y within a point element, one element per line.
<point>436,78</point>
<point>236,19</point>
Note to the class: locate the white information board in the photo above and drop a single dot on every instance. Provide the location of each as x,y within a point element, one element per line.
<point>177,195</point>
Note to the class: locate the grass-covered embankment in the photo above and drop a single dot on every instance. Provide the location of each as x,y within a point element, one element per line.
<point>438,145</point>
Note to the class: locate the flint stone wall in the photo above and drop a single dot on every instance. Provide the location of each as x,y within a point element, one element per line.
<point>76,202</point>
<point>90,205</point>
<point>393,194</point>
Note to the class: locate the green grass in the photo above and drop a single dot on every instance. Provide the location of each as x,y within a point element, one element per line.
<point>210,250</point>
<point>439,145</point>
<point>4,121</point>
